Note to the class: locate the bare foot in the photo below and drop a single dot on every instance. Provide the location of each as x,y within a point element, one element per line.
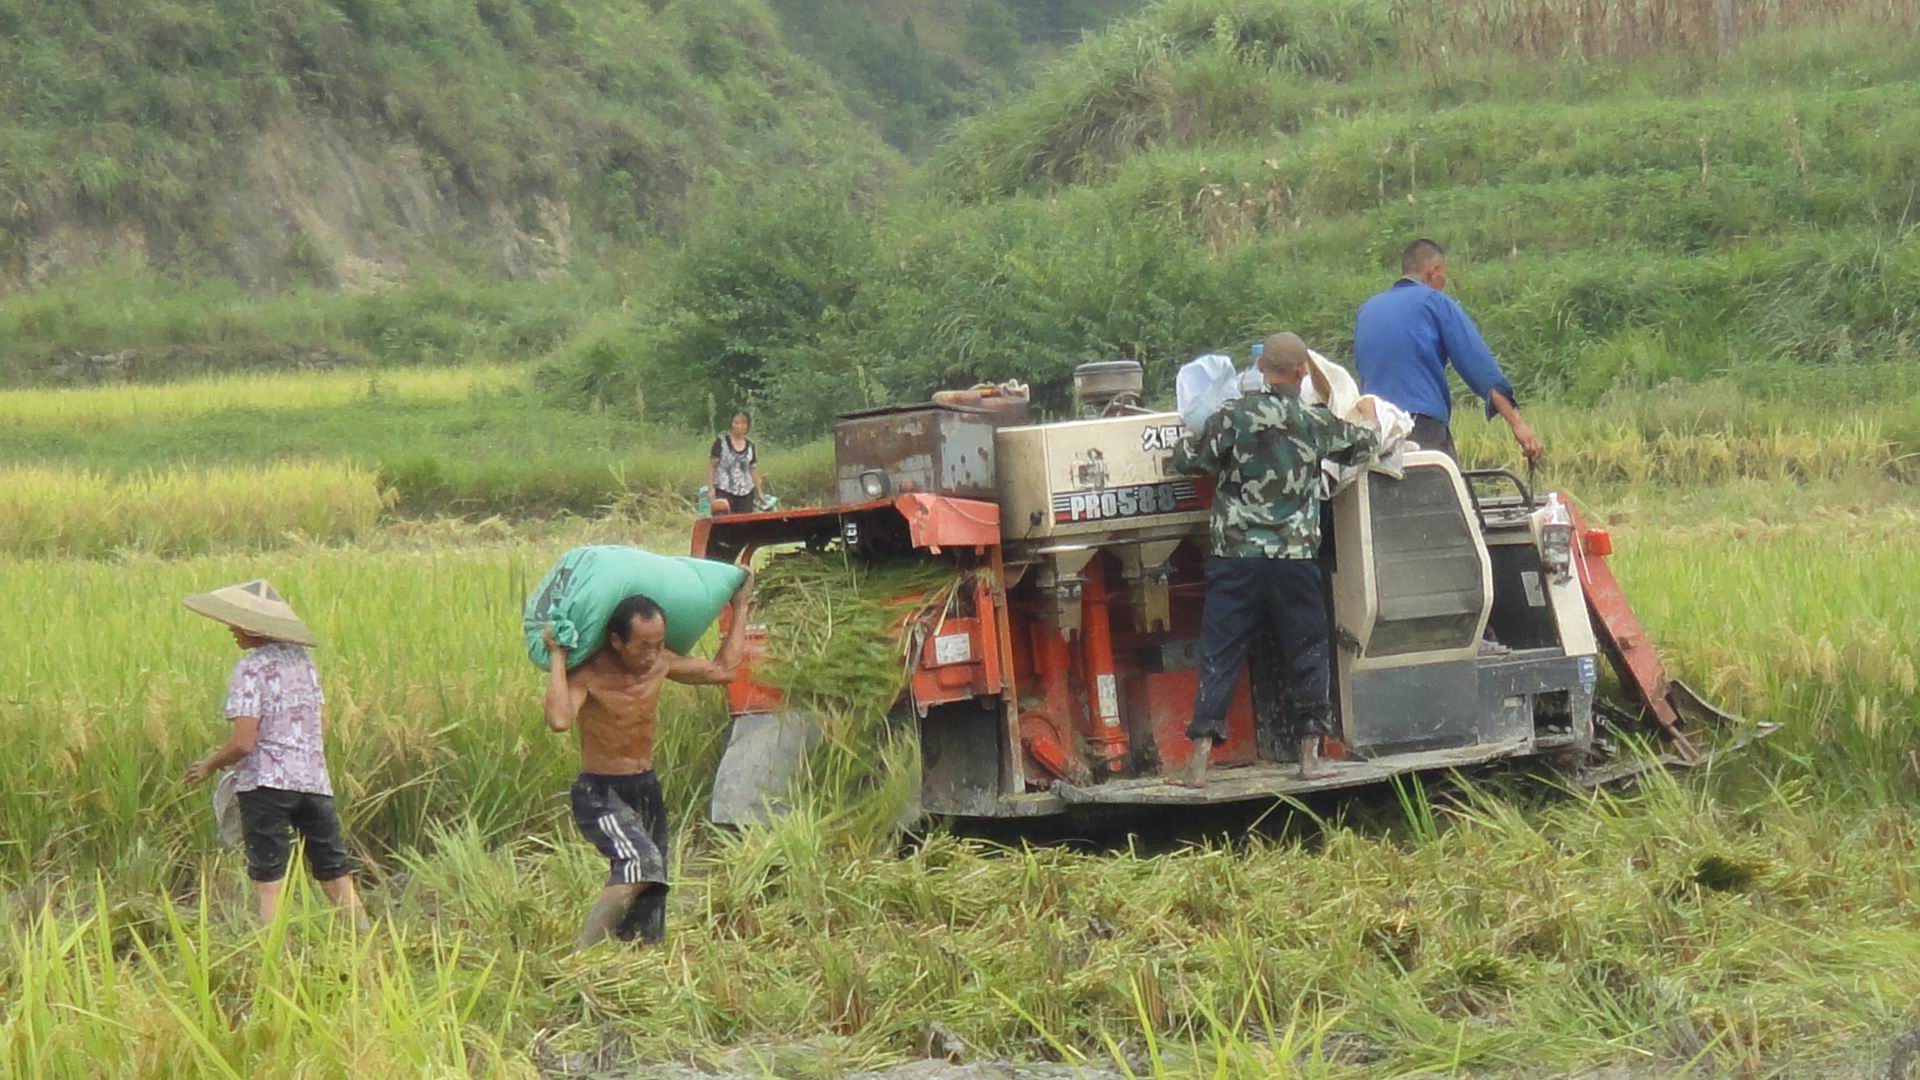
<point>1194,775</point>
<point>1312,765</point>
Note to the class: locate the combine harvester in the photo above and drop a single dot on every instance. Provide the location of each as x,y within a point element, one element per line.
<point>1060,673</point>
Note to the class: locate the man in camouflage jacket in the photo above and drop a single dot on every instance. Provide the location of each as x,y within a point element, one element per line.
<point>1264,452</point>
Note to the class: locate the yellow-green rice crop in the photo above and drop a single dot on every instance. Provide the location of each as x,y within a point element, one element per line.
<point>1613,446</point>
<point>111,687</point>
<point>841,637</point>
<point>107,406</point>
<point>59,511</point>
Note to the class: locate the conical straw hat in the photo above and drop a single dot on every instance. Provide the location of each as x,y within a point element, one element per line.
<point>255,608</point>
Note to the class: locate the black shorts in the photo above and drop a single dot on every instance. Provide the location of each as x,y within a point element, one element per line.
<point>626,819</point>
<point>269,818</point>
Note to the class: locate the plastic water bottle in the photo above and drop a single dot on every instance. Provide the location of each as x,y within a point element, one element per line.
<point>1556,537</point>
<point>1251,381</point>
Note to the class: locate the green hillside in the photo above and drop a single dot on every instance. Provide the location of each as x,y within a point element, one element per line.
<point>361,143</point>
<point>1660,195</point>
<point>912,67</point>
<point>347,142</point>
<point>1666,207</point>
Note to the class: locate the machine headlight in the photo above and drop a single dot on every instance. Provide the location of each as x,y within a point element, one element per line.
<point>874,483</point>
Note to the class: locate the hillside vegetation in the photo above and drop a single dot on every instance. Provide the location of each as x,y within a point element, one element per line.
<point>1652,200</point>
<point>912,67</point>
<point>344,141</point>
<point>1657,208</point>
<point>365,142</point>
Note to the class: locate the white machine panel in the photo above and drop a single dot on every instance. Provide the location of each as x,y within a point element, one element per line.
<point>1086,477</point>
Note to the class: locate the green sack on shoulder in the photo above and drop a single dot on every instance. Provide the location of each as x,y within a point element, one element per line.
<point>579,594</point>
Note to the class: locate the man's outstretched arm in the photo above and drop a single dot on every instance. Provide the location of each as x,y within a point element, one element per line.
<point>1467,351</point>
<point>725,664</point>
<point>1522,432</point>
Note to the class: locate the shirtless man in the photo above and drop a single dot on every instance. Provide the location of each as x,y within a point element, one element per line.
<point>615,697</point>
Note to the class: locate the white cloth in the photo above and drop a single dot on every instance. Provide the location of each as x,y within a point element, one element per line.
<point>1391,423</point>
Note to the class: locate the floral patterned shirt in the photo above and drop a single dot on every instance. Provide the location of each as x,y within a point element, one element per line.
<point>733,473</point>
<point>278,685</point>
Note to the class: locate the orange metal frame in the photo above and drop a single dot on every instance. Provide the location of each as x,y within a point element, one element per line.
<point>1622,637</point>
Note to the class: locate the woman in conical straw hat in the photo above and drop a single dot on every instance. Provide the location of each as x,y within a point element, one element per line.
<point>275,750</point>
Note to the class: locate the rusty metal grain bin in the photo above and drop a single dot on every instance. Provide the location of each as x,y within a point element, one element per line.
<point>937,449</point>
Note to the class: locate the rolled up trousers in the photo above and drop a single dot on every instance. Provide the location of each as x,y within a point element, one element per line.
<point>1245,596</point>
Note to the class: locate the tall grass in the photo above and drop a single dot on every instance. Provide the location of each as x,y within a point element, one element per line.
<point>114,324</point>
<point>417,451</point>
<point>1648,445</point>
<point>430,443</point>
<point>1566,29</point>
<point>1192,73</point>
<point>113,686</point>
<point>425,689</point>
<point>1663,931</point>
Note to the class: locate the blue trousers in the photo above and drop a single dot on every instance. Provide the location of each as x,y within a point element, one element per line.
<point>1245,596</point>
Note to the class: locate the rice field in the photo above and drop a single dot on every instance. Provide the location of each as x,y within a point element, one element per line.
<point>1758,921</point>
<point>105,407</point>
<point>98,484</point>
<point>59,511</point>
<point>1762,921</point>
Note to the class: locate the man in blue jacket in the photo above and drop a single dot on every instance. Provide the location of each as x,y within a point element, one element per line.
<point>1403,340</point>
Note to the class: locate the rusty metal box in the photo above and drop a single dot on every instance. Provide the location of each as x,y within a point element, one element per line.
<point>936,449</point>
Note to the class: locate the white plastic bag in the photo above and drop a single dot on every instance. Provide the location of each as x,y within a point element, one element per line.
<point>1204,385</point>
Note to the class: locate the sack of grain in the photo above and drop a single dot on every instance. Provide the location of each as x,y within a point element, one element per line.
<point>579,594</point>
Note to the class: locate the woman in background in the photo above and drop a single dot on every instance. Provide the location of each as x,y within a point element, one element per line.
<point>733,469</point>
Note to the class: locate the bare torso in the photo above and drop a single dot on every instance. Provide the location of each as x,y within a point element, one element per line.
<point>619,715</point>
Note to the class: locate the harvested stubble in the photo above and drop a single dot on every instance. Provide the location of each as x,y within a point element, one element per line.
<point>1761,932</point>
